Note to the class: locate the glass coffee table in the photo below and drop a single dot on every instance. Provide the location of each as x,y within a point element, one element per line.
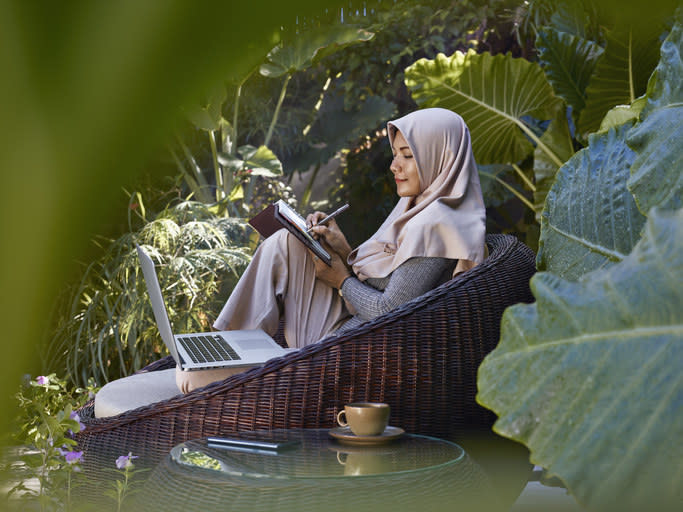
<point>320,473</point>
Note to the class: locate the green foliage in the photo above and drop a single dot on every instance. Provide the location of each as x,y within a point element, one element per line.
<point>568,61</point>
<point>310,46</point>
<point>591,219</point>
<point>621,73</point>
<point>49,453</point>
<point>45,431</point>
<point>234,167</point>
<point>405,31</point>
<point>78,125</point>
<point>515,108</point>
<point>656,177</point>
<point>558,139</point>
<point>126,480</point>
<point>366,76</point>
<point>108,329</point>
<point>588,377</point>
<point>492,93</point>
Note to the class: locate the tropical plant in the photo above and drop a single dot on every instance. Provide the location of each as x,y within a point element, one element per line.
<point>46,424</point>
<point>522,114</point>
<point>236,168</point>
<point>129,482</point>
<point>108,330</point>
<point>589,376</point>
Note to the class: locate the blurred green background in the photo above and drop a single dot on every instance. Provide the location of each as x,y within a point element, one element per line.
<point>88,91</point>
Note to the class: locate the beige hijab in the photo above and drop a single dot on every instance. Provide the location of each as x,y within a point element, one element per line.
<point>448,218</point>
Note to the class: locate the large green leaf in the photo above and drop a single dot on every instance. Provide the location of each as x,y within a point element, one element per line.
<point>492,93</point>
<point>622,114</point>
<point>656,177</point>
<point>589,377</point>
<point>261,161</point>
<point>310,46</point>
<point>558,138</point>
<point>590,218</point>
<point>568,62</point>
<point>571,17</point>
<point>621,74</point>
<point>207,114</point>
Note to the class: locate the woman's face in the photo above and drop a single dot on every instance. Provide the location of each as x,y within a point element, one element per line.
<point>404,168</point>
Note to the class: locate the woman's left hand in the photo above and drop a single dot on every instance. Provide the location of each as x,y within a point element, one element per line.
<point>332,276</point>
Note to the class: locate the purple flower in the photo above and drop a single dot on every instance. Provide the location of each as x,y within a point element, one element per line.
<point>74,416</point>
<point>71,457</point>
<point>125,461</point>
<point>42,380</point>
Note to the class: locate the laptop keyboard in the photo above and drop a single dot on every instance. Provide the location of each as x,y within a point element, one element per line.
<point>207,349</point>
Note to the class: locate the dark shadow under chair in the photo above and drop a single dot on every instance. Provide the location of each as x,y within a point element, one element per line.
<point>421,358</point>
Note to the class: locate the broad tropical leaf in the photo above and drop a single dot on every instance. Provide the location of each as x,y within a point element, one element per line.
<point>568,62</point>
<point>492,93</point>
<point>310,46</point>
<point>620,76</point>
<point>262,161</point>
<point>590,218</point>
<point>571,17</point>
<point>622,114</point>
<point>589,377</point>
<point>558,138</point>
<point>207,114</point>
<point>656,177</point>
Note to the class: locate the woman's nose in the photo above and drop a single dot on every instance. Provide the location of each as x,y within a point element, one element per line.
<point>394,167</point>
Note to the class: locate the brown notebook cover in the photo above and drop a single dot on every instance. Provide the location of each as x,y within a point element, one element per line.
<point>271,219</point>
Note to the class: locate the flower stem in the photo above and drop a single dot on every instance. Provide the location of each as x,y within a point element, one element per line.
<point>216,167</point>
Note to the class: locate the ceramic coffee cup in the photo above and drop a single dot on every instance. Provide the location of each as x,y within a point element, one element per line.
<point>365,418</point>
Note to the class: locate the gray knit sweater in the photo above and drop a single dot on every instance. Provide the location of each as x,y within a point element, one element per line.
<point>411,279</point>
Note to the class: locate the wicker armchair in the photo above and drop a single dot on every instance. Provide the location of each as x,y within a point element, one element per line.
<point>421,358</point>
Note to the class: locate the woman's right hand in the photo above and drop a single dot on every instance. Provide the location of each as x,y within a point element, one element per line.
<point>330,233</point>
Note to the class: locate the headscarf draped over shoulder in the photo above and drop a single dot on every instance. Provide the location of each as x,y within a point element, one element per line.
<point>448,218</point>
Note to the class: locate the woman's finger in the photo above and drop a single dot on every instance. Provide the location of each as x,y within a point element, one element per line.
<point>313,218</point>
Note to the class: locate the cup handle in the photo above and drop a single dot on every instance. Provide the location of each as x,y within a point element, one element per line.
<point>339,418</point>
<point>342,462</point>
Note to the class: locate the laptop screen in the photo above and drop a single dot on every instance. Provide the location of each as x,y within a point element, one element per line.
<point>157,299</point>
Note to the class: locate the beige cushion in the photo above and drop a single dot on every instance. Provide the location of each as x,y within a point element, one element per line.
<point>135,391</point>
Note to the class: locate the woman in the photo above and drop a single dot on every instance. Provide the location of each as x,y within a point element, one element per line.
<point>436,229</point>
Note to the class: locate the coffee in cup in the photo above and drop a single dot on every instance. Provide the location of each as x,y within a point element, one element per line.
<point>365,418</point>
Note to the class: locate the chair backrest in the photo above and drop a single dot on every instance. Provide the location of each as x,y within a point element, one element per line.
<point>423,357</point>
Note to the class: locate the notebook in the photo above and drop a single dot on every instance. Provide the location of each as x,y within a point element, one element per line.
<point>280,215</point>
<point>199,351</point>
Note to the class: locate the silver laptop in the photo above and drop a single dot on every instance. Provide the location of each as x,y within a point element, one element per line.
<point>199,351</point>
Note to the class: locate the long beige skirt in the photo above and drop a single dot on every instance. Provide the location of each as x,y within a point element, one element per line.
<point>279,283</point>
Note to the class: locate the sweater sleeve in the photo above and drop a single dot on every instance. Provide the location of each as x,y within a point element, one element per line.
<point>413,278</point>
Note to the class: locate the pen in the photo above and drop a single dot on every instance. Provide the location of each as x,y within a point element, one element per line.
<point>331,216</point>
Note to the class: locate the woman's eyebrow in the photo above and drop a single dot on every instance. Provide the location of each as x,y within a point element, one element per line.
<point>403,147</point>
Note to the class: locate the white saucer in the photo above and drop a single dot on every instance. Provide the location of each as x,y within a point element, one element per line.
<point>344,435</point>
